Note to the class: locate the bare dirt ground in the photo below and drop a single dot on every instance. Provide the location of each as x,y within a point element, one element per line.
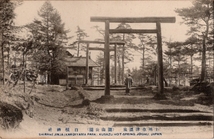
<point>53,107</point>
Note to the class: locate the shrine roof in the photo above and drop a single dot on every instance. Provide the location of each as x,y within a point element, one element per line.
<point>80,62</point>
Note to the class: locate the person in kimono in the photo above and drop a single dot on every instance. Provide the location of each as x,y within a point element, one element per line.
<point>128,83</point>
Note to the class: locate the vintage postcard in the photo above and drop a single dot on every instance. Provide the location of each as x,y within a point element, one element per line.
<point>106,69</point>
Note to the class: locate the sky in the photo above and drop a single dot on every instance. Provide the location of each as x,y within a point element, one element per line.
<point>78,13</point>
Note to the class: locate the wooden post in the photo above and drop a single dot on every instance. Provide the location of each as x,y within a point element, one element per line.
<point>103,78</point>
<point>92,79</point>
<point>123,64</point>
<point>160,61</point>
<point>155,75</point>
<point>98,76</point>
<point>119,72</point>
<point>67,86</point>
<point>87,68</point>
<point>115,64</point>
<point>107,59</point>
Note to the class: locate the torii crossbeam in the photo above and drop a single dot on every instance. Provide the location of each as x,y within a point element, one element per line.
<point>156,20</point>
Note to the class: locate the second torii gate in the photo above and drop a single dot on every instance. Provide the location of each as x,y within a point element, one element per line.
<point>156,20</point>
<point>103,49</point>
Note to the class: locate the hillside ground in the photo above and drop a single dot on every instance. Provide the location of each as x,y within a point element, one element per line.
<point>53,108</point>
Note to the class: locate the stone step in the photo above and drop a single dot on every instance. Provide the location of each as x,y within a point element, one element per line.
<point>166,114</point>
<point>156,107</point>
<point>190,117</point>
<point>134,110</point>
<point>160,123</point>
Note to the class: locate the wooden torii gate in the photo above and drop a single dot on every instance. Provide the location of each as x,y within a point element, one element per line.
<point>156,20</point>
<point>88,42</point>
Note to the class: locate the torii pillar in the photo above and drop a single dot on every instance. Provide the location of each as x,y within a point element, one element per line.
<point>157,31</point>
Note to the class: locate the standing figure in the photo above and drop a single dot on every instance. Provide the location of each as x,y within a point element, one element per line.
<point>128,83</point>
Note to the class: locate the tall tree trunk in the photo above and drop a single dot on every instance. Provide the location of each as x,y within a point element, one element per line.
<point>8,58</point>
<point>203,62</point>
<point>143,61</point>
<point>2,55</point>
<point>2,60</point>
<point>2,48</point>
<point>78,48</point>
<point>100,74</point>
<point>170,67</point>
<point>47,41</point>
<point>191,64</point>
<point>213,64</point>
<point>23,70</point>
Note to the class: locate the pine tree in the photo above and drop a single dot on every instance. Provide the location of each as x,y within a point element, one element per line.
<point>6,20</point>
<point>199,18</point>
<point>147,47</point>
<point>176,54</point>
<point>80,36</point>
<point>51,36</point>
<point>191,47</point>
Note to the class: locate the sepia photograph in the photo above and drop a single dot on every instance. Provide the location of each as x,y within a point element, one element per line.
<point>103,69</point>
